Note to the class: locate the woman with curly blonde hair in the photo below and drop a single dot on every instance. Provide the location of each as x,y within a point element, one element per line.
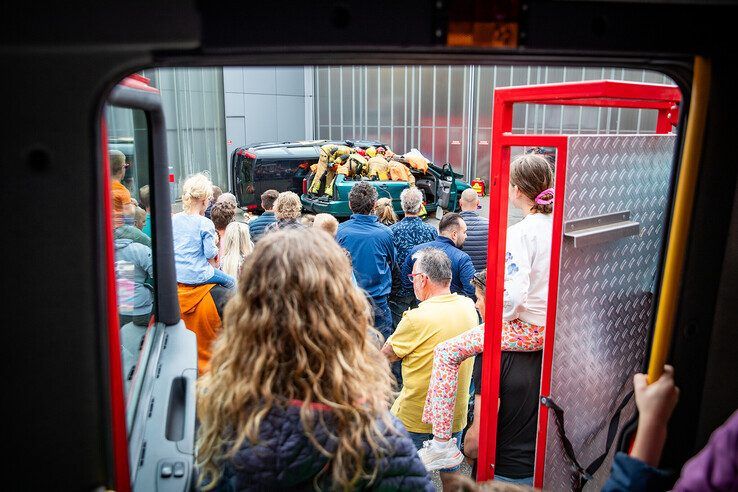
<point>297,394</point>
<point>287,210</point>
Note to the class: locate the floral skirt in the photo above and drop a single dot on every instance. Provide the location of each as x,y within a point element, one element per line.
<point>517,336</point>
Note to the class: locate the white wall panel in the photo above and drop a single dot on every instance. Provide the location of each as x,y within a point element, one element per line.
<point>233,79</point>
<point>260,80</point>
<point>234,105</point>
<point>290,118</point>
<point>261,117</point>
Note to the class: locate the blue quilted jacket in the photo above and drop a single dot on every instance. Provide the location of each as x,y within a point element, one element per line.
<point>258,224</point>
<point>284,459</point>
<point>477,232</point>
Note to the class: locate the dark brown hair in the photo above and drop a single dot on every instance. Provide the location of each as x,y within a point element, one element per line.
<point>479,281</point>
<point>216,192</point>
<point>268,198</point>
<point>450,220</point>
<point>532,174</point>
<point>362,198</point>
<point>222,214</point>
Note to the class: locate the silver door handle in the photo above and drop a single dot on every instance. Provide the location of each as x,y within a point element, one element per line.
<point>600,229</point>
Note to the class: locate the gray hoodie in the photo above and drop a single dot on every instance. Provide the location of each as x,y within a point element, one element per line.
<point>133,266</point>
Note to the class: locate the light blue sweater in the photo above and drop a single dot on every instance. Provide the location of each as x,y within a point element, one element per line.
<point>194,244</point>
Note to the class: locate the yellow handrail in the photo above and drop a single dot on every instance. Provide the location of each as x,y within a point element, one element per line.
<point>682,217</point>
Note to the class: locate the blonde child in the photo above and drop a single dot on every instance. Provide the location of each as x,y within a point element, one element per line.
<point>326,222</point>
<point>195,249</point>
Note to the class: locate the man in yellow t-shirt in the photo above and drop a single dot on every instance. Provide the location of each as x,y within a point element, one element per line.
<point>440,316</point>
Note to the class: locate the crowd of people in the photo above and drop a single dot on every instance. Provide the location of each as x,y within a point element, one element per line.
<point>340,355</point>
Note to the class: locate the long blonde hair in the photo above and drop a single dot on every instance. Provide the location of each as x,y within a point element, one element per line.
<point>383,209</point>
<point>236,246</point>
<point>297,329</point>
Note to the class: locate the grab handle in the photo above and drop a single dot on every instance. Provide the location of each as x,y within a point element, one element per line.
<point>600,229</point>
<point>176,411</point>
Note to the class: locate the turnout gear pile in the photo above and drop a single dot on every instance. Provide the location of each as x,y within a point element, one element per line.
<point>331,158</point>
<point>375,163</point>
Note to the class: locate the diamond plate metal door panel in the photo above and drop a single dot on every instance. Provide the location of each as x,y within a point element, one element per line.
<point>605,292</point>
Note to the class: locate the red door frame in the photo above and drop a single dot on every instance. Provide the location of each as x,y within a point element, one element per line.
<point>117,398</point>
<point>119,431</point>
<point>601,93</point>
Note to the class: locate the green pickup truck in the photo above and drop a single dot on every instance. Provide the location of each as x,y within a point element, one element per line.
<point>441,187</point>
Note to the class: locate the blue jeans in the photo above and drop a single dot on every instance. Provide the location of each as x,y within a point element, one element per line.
<point>419,438</point>
<point>223,279</point>
<point>383,323</point>
<point>382,316</point>
<point>398,305</point>
<point>521,481</point>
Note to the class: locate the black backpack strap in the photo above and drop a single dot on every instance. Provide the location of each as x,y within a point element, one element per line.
<point>581,475</point>
<point>612,433</point>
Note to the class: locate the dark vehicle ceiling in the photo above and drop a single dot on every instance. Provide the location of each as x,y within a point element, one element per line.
<point>60,62</point>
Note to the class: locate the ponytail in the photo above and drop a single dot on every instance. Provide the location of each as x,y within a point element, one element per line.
<point>534,177</point>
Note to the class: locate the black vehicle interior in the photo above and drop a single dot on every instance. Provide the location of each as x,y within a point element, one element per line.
<point>65,412</point>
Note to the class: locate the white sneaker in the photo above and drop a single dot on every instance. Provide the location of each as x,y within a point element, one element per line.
<point>437,455</point>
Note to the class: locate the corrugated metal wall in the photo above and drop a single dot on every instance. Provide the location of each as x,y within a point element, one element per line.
<point>195,118</point>
<point>446,111</point>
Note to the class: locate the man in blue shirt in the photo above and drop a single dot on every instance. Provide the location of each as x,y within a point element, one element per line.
<point>259,224</point>
<point>409,232</point>
<point>372,252</point>
<point>452,234</point>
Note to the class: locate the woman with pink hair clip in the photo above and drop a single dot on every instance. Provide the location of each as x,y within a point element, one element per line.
<point>527,260</point>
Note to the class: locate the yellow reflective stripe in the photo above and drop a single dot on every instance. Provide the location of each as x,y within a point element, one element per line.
<point>679,232</point>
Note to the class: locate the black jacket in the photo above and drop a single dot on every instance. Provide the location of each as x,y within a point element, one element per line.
<point>284,459</point>
<point>477,233</point>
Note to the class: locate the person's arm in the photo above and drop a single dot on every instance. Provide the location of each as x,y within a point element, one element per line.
<point>341,236</point>
<point>471,439</point>
<point>517,276</point>
<point>407,268</point>
<point>145,261</point>
<point>720,457</point>
<point>391,250</point>
<point>389,352</point>
<point>655,403</point>
<point>403,341</point>
<point>638,471</point>
<point>466,273</point>
<point>207,235</point>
